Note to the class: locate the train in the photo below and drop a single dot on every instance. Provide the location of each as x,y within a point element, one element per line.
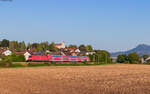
<point>57,58</point>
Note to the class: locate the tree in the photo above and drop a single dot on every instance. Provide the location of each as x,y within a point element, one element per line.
<point>35,45</point>
<point>82,48</point>
<point>6,61</point>
<point>72,46</point>
<point>5,43</point>
<point>134,58</point>
<point>12,45</point>
<point>22,46</point>
<point>44,45</point>
<point>89,48</point>
<point>16,45</point>
<point>29,46</point>
<point>52,47</point>
<point>122,58</point>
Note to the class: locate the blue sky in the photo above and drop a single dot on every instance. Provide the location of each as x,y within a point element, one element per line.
<point>113,25</point>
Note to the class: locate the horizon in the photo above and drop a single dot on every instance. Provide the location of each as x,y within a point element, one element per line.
<point>79,45</point>
<point>107,25</point>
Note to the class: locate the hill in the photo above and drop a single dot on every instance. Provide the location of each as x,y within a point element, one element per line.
<point>140,49</point>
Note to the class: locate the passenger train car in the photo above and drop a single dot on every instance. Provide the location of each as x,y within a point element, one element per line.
<point>58,58</point>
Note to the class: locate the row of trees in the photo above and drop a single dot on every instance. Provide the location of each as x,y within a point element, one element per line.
<point>82,47</point>
<point>21,46</point>
<point>13,45</point>
<point>132,58</point>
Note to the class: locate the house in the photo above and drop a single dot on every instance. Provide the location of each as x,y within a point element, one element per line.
<point>75,50</point>
<point>20,53</point>
<point>70,54</point>
<point>148,59</point>
<point>61,45</point>
<point>2,49</point>
<point>90,53</point>
<point>74,54</point>
<point>26,55</point>
<point>82,54</point>
<point>7,53</point>
<point>145,60</point>
<point>72,51</point>
<point>114,59</point>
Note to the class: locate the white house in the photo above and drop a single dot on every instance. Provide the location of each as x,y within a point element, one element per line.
<point>90,53</point>
<point>26,55</point>
<point>75,50</point>
<point>61,45</point>
<point>7,53</point>
<point>114,59</point>
<point>148,59</point>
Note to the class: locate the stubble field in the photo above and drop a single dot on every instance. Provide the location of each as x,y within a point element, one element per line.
<point>107,79</point>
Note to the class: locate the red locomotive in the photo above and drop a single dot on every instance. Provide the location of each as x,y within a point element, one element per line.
<point>58,58</point>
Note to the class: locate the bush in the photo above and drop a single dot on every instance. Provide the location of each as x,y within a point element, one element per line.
<point>85,62</point>
<point>53,62</point>
<point>6,62</point>
<point>17,58</point>
<point>20,58</point>
<point>47,64</point>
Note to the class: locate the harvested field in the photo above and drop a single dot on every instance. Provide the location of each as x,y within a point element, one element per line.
<point>107,79</point>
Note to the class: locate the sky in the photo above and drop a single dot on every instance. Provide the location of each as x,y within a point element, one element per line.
<point>113,25</point>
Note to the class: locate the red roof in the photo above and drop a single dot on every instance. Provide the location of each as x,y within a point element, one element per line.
<point>20,52</point>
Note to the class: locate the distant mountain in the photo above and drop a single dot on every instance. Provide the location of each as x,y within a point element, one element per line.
<point>140,49</point>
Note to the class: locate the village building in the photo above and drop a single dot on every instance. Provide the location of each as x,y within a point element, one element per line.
<point>145,60</point>
<point>114,59</point>
<point>74,54</point>
<point>61,45</point>
<point>73,51</point>
<point>7,53</point>
<point>90,53</point>
<point>26,55</point>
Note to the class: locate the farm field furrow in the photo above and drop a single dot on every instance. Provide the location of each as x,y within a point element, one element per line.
<point>105,79</point>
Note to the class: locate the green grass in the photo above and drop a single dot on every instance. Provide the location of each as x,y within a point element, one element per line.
<point>55,64</point>
<point>38,64</point>
<point>16,66</point>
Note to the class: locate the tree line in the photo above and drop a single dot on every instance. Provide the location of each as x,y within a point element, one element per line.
<point>21,46</point>
<point>132,58</point>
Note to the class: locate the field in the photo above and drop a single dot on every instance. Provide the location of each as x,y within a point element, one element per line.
<point>104,79</point>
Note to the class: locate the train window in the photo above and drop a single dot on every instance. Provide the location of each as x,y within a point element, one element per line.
<point>84,57</point>
<point>73,59</point>
<point>57,59</point>
<point>30,56</point>
<point>57,56</point>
